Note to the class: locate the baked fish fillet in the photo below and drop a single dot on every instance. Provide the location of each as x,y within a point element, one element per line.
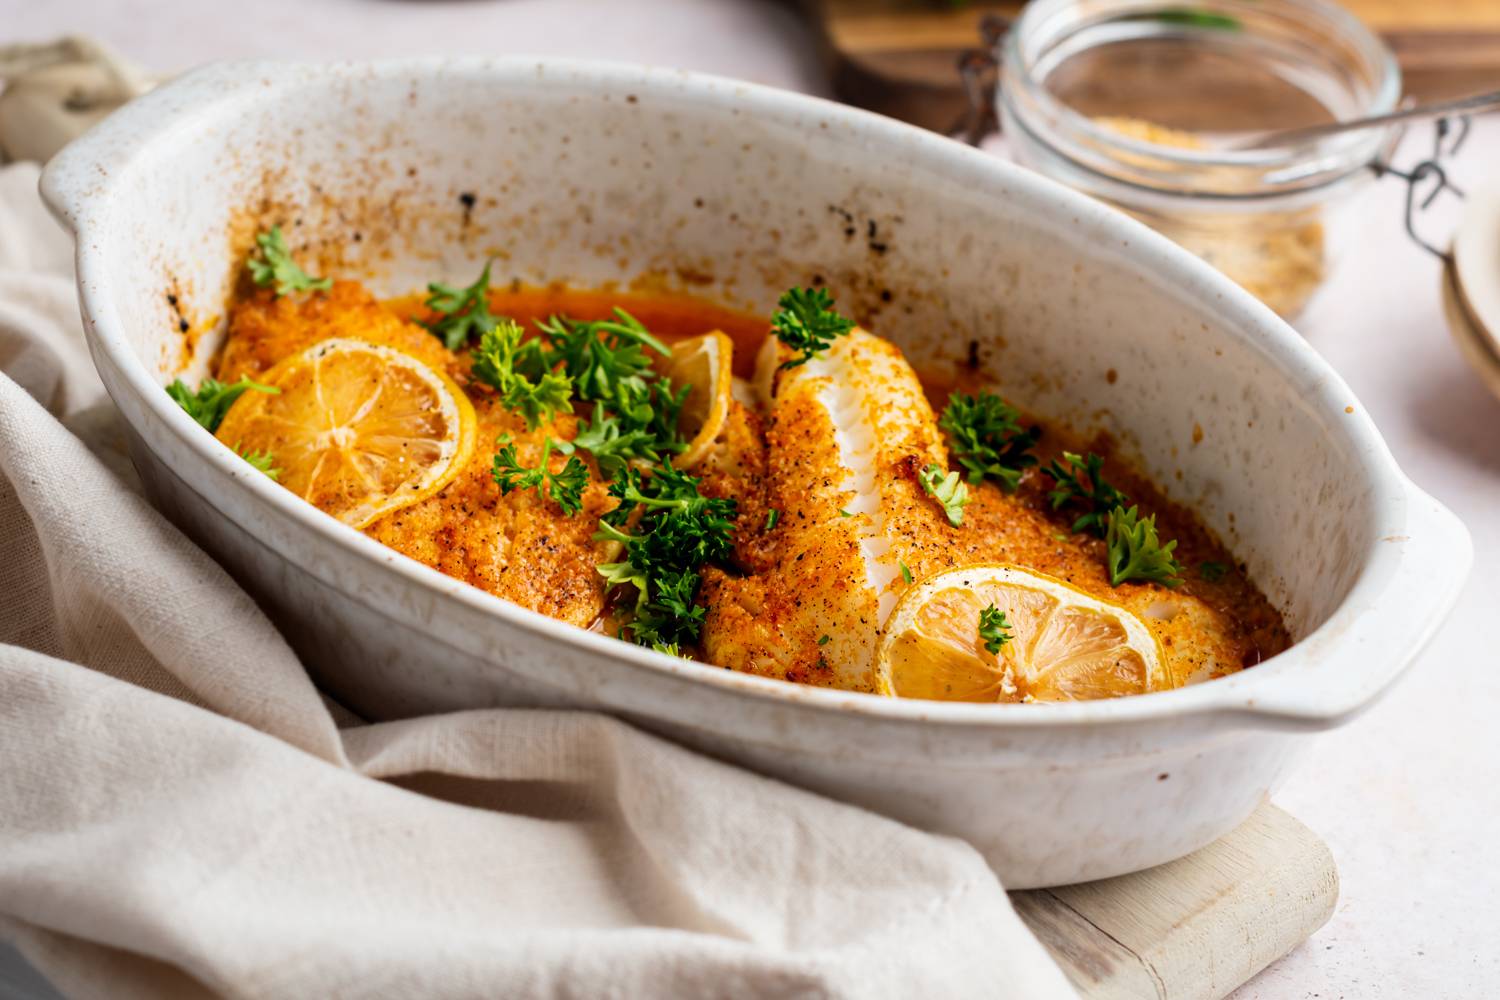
<point>848,433</point>
<point>517,546</point>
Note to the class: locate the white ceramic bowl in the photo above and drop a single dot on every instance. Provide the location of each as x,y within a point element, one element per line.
<point>594,173</point>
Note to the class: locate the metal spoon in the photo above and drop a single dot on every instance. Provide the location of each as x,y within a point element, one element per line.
<point>1473,104</point>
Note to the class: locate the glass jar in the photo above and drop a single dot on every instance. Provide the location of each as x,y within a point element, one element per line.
<point>1138,103</point>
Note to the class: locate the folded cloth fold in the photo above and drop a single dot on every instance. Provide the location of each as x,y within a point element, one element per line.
<point>180,815</point>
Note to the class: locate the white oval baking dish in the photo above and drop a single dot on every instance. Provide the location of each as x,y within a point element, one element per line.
<point>409,171</point>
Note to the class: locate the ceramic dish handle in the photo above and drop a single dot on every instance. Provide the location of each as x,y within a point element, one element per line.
<point>1409,598</point>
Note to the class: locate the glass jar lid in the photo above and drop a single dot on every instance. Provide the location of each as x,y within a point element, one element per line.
<point>1155,95</point>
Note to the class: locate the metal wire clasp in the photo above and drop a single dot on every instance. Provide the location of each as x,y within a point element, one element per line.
<point>979,75</point>
<point>1427,180</point>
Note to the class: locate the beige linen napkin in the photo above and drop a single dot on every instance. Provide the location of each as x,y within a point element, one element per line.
<point>181,816</point>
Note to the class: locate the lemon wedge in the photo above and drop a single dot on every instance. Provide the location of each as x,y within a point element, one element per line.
<point>1064,645</point>
<point>358,430</point>
<point>706,364</point>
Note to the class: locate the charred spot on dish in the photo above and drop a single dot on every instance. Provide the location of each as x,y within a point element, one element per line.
<point>847,218</point>
<point>174,303</point>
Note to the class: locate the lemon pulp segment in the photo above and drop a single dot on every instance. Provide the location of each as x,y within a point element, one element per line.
<point>1063,645</point>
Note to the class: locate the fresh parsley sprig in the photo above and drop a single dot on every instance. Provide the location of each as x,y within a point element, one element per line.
<point>261,460</point>
<point>565,486</point>
<point>606,359</point>
<point>213,398</point>
<point>635,433</point>
<point>994,630</point>
<point>806,321</point>
<point>274,266</point>
<point>987,439</point>
<point>518,370</point>
<point>1135,551</point>
<point>679,531</point>
<point>670,617</point>
<point>947,489</point>
<point>1079,480</point>
<point>682,527</point>
<point>612,443</point>
<point>462,313</point>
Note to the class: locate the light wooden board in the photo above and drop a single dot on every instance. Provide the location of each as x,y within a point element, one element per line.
<point>1194,929</point>
<point>874,25</point>
<point>898,57</point>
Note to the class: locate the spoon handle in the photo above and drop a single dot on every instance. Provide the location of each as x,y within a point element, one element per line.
<point>1473,104</point>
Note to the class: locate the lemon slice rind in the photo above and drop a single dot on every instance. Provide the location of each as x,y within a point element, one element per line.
<point>930,647</point>
<point>706,364</point>
<point>250,421</point>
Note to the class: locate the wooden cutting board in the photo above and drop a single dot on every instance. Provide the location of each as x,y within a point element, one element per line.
<point>1194,929</point>
<point>898,56</point>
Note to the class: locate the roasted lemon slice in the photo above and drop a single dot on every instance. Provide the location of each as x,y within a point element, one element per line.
<point>1064,645</point>
<point>706,364</point>
<point>358,430</point>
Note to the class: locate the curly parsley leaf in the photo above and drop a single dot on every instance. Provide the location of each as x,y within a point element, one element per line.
<point>462,313</point>
<point>994,630</point>
<point>946,488</point>
<point>680,527</point>
<point>611,443</point>
<point>606,359</point>
<point>670,617</point>
<point>261,460</point>
<point>986,436</point>
<point>1135,551</point>
<point>1079,480</point>
<point>805,321</point>
<point>640,434</point>
<point>213,398</point>
<point>518,371</point>
<point>1211,571</point>
<point>679,531</point>
<point>565,486</point>
<point>273,265</point>
<point>666,413</point>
